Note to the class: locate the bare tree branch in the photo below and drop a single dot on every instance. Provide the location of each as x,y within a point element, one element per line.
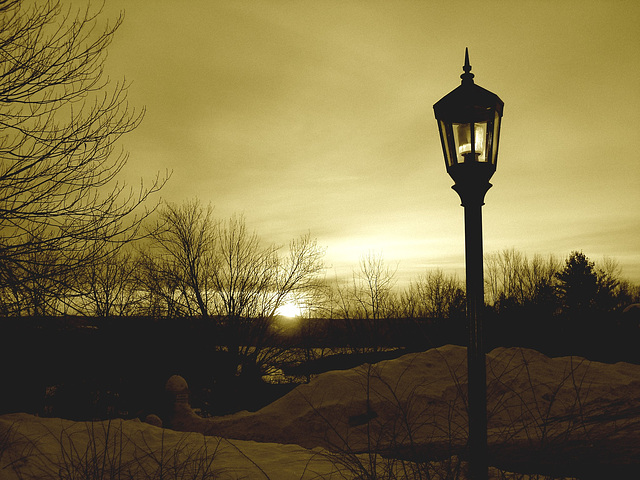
<point>59,123</point>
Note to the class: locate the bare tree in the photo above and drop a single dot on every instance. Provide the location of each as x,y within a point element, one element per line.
<point>252,280</point>
<point>297,276</point>
<point>340,296</point>
<point>59,123</point>
<point>433,295</point>
<point>196,265</point>
<point>510,277</point>
<point>161,287</point>
<point>185,237</point>
<point>367,300</point>
<point>373,287</point>
<point>244,271</point>
<point>614,292</point>
<point>37,290</point>
<point>108,287</point>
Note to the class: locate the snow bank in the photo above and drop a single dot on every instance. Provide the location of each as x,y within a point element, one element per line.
<point>50,448</point>
<point>416,404</point>
<point>543,413</point>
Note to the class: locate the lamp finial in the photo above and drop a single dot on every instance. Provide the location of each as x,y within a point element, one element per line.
<point>467,75</point>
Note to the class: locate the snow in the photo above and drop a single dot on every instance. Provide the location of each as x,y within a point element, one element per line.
<point>420,401</point>
<point>539,408</point>
<point>46,438</point>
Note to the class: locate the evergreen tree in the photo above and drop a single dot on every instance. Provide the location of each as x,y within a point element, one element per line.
<point>577,284</point>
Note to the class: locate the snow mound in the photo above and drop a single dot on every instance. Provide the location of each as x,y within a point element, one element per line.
<point>52,448</point>
<point>417,404</point>
<point>558,416</point>
<point>49,448</point>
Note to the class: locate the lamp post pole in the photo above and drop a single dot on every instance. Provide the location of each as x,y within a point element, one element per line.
<point>472,197</point>
<point>476,361</point>
<point>469,120</point>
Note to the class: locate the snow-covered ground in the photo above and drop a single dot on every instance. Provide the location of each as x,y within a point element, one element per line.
<point>551,414</point>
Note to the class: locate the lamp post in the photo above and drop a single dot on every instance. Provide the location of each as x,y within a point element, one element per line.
<point>469,124</point>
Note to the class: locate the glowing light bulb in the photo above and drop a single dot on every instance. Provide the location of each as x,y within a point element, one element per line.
<point>465,137</point>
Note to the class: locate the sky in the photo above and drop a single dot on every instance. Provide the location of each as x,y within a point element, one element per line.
<point>317,116</point>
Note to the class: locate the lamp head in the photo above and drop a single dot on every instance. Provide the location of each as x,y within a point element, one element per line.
<point>469,123</point>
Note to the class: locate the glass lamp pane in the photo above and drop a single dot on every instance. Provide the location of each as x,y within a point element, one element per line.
<point>481,141</point>
<point>445,139</point>
<point>464,138</point>
<point>496,136</point>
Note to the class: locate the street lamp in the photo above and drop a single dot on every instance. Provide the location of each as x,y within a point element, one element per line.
<point>469,124</point>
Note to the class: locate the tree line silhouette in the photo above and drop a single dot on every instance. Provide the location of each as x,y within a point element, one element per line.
<point>190,264</point>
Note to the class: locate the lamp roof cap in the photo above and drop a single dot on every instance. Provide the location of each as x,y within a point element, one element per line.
<point>468,102</point>
<point>467,76</point>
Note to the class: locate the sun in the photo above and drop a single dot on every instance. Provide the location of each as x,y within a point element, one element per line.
<point>289,309</point>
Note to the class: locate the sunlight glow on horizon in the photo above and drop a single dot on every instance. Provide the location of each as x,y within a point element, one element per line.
<point>289,310</point>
